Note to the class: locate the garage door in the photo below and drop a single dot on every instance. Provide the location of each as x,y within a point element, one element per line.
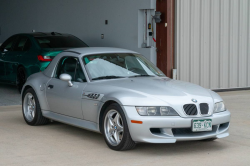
<point>213,43</point>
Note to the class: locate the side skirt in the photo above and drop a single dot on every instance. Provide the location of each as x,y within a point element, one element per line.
<point>71,121</point>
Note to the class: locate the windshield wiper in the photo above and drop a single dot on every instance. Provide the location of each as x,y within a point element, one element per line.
<point>142,75</point>
<point>107,77</point>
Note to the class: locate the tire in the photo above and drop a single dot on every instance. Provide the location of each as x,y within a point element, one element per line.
<point>126,142</point>
<point>21,78</point>
<point>31,110</point>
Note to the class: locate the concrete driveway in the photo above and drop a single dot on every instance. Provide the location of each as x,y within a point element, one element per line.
<point>59,144</point>
<point>9,95</point>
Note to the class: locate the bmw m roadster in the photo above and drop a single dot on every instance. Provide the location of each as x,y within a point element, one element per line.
<point>122,95</point>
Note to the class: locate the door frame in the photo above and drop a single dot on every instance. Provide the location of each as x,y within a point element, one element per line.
<point>165,36</point>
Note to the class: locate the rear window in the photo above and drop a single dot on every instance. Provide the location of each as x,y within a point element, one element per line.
<point>60,42</point>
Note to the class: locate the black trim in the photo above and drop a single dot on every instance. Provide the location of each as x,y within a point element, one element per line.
<point>232,89</point>
<point>51,86</point>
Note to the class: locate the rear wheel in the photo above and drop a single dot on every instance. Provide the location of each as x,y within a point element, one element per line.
<point>31,109</point>
<point>21,78</point>
<point>115,129</point>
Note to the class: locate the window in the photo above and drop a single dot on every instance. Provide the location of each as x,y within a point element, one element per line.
<point>7,45</point>
<point>119,65</point>
<point>60,42</point>
<point>27,45</point>
<point>23,44</point>
<point>71,66</point>
<point>79,76</point>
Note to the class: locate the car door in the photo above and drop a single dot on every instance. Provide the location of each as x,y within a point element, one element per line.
<point>5,57</point>
<point>18,52</point>
<point>21,48</point>
<point>62,98</point>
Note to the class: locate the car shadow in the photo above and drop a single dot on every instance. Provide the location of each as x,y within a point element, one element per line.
<point>145,149</point>
<point>181,147</point>
<point>8,87</point>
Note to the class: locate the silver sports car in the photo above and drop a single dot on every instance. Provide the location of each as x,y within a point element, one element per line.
<point>122,95</point>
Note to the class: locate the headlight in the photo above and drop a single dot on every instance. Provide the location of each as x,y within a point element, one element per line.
<point>219,107</point>
<point>156,111</point>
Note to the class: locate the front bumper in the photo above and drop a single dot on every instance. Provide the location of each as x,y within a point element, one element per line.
<point>164,129</point>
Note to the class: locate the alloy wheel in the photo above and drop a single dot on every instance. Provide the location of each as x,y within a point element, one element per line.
<point>113,127</point>
<point>29,107</point>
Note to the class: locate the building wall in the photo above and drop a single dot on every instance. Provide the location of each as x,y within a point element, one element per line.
<point>82,18</point>
<point>213,42</point>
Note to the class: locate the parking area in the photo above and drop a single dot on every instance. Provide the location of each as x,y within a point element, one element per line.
<point>60,144</point>
<point>9,95</point>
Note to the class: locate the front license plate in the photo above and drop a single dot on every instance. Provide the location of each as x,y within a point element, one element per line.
<point>202,125</point>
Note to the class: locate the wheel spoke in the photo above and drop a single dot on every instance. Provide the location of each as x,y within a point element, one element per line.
<point>116,119</point>
<point>119,127</point>
<point>110,120</point>
<point>110,126</point>
<point>111,130</point>
<point>29,100</point>
<point>33,101</point>
<point>117,137</point>
<point>118,123</point>
<point>110,135</point>
<point>33,113</point>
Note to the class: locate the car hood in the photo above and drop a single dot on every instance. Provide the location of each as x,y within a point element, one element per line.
<point>160,87</point>
<point>157,91</point>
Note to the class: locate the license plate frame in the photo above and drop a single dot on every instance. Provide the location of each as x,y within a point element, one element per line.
<point>205,125</point>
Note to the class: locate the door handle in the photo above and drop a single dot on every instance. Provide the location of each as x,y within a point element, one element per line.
<point>50,86</point>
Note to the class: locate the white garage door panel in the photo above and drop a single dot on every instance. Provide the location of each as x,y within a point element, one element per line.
<point>213,42</point>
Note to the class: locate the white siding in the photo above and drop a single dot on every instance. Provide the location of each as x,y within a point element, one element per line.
<point>213,42</point>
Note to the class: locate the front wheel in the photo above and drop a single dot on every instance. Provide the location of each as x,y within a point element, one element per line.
<point>31,109</point>
<point>115,129</point>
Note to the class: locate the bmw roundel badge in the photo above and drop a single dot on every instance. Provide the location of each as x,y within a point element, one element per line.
<point>194,100</point>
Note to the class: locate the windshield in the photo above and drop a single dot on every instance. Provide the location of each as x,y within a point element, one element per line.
<point>119,65</point>
<point>60,42</point>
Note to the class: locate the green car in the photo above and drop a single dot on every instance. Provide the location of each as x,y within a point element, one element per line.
<point>27,53</point>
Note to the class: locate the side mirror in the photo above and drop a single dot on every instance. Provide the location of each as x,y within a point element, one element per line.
<point>67,78</point>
